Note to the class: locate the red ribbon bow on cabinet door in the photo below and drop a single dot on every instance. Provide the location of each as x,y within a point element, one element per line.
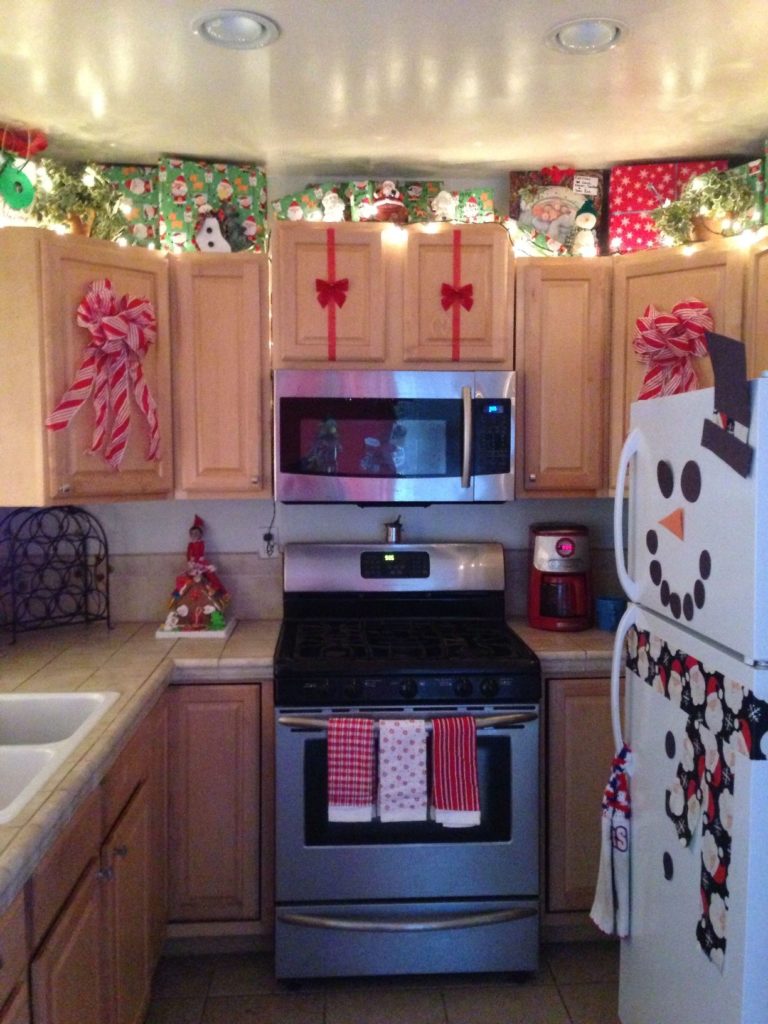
<point>332,291</point>
<point>121,332</point>
<point>463,296</point>
<point>667,342</point>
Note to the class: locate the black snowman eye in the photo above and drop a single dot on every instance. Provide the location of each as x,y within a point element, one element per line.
<point>666,478</point>
<point>690,481</point>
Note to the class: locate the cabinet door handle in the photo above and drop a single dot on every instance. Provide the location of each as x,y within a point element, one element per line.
<point>121,851</point>
<point>65,488</point>
<point>532,477</point>
<point>105,874</point>
<point>255,479</point>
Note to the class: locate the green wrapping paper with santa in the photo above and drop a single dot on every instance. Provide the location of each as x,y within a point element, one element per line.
<point>211,207</point>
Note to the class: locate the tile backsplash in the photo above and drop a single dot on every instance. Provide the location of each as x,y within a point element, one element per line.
<point>141,585</point>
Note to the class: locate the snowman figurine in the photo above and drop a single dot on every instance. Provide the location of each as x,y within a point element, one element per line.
<point>584,241</point>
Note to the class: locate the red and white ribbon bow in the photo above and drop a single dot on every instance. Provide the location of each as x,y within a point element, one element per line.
<point>667,342</point>
<point>121,332</point>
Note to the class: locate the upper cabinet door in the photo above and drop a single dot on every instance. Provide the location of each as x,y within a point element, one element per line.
<point>712,272</point>
<point>330,294</point>
<point>562,327</point>
<point>68,268</point>
<point>458,294</point>
<point>756,309</point>
<point>221,375</point>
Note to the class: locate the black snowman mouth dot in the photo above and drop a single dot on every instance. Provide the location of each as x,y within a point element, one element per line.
<point>679,604</point>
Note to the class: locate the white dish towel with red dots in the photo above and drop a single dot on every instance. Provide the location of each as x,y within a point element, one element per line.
<point>402,769</point>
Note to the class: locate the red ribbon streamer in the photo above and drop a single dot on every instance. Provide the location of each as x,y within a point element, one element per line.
<point>331,293</point>
<point>667,342</point>
<point>121,332</point>
<point>558,174</point>
<point>454,296</point>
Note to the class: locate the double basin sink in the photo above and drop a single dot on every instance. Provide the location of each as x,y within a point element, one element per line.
<point>38,731</point>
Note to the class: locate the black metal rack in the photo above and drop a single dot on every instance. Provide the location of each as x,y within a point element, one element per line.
<point>54,569</point>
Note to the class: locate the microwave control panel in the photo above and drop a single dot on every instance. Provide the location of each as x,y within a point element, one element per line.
<point>491,436</point>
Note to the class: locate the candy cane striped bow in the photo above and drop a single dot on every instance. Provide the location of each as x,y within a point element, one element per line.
<point>666,342</point>
<point>121,332</point>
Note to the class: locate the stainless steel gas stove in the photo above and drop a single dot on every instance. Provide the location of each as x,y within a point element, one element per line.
<point>412,631</point>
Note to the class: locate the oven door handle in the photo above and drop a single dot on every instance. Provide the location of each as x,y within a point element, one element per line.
<point>407,924</point>
<point>484,722</point>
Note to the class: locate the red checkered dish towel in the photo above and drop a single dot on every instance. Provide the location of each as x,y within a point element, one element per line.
<point>455,795</point>
<point>351,769</point>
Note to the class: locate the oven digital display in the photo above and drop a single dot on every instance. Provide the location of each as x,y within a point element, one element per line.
<point>390,565</point>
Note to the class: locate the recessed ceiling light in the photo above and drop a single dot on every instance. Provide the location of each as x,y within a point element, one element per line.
<point>586,35</point>
<point>236,29</point>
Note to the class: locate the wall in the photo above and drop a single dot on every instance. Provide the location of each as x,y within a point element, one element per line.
<point>148,540</point>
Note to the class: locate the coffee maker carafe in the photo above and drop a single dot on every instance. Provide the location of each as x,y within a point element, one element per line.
<point>559,589</point>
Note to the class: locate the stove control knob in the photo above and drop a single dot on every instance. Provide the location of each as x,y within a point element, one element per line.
<point>463,687</point>
<point>489,687</point>
<point>353,688</point>
<point>409,688</point>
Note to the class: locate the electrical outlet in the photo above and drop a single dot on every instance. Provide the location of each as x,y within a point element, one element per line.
<point>268,547</point>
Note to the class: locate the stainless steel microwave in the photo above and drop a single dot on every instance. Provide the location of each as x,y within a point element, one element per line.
<point>386,437</point>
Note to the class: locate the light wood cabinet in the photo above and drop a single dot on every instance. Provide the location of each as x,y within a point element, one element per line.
<point>712,272</point>
<point>756,309</point>
<point>478,330</point>
<point>17,1008</point>
<point>390,311</point>
<point>562,359</point>
<point>215,803</point>
<point>44,278</point>
<point>351,327</point>
<point>221,382</point>
<point>14,996</point>
<point>578,755</point>
<point>92,903</point>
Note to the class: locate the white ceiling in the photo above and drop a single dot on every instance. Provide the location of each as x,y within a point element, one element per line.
<point>406,87</point>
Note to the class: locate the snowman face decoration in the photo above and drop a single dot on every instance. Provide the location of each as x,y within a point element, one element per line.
<point>682,597</point>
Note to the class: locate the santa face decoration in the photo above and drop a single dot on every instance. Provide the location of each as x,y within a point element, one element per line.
<point>682,490</point>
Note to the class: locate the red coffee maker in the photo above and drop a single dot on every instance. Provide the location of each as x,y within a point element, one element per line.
<point>559,588</point>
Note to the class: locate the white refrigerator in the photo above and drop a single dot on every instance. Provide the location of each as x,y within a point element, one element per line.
<point>694,710</point>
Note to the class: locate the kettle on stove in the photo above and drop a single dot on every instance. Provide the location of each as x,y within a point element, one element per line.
<point>559,586</point>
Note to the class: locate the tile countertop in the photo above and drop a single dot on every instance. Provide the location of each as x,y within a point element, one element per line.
<point>129,659</point>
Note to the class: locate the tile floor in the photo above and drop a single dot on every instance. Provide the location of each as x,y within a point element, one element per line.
<point>576,984</point>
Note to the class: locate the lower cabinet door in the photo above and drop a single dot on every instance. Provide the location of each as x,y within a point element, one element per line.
<point>127,863</point>
<point>68,976</point>
<point>214,802</point>
<point>16,1010</point>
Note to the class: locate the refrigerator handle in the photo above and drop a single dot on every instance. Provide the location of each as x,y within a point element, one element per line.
<point>627,621</point>
<point>631,445</point>
<point>466,452</point>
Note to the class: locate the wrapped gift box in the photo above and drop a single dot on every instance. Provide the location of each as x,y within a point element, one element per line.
<point>228,201</point>
<point>475,206</point>
<point>138,187</point>
<point>417,196</point>
<point>547,201</point>
<point>636,189</point>
<point>296,206</point>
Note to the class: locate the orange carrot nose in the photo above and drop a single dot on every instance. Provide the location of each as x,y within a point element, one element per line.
<point>674,523</point>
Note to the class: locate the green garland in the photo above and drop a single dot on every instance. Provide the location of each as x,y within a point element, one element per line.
<point>79,197</point>
<point>716,195</point>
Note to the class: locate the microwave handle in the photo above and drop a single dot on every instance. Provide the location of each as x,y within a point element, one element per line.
<point>466,453</point>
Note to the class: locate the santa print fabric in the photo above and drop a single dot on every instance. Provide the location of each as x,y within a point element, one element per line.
<point>724,720</point>
<point>455,794</point>
<point>351,769</point>
<point>403,769</point>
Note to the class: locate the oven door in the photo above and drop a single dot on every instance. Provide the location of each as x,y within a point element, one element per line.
<point>401,436</point>
<point>321,860</point>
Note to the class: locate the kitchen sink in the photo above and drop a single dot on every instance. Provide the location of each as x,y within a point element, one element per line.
<point>38,731</point>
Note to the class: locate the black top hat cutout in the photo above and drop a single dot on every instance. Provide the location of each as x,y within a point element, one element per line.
<point>732,404</point>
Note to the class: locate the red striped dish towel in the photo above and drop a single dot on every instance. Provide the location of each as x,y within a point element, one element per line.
<point>351,769</point>
<point>402,769</point>
<point>455,794</point>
